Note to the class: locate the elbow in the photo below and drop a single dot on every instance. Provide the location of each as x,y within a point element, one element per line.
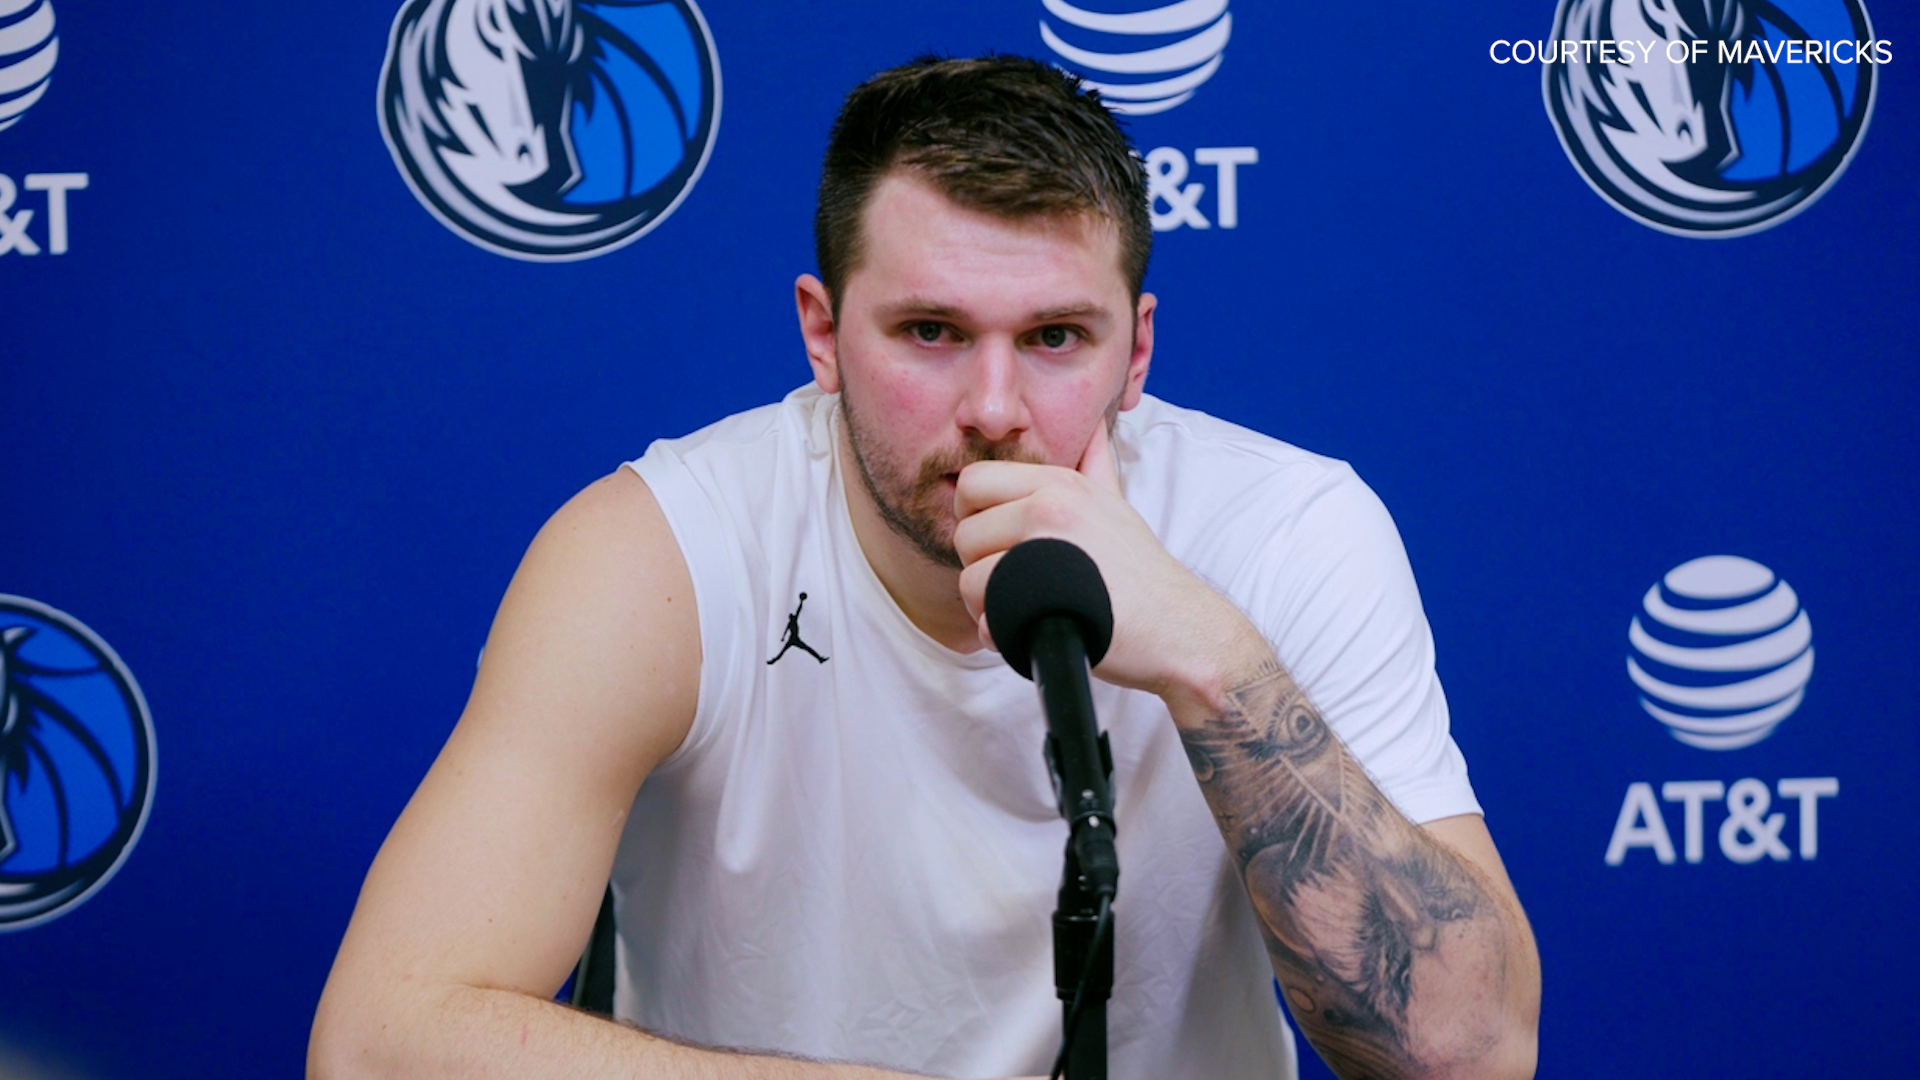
<point>1493,1041</point>
<point>1516,1050</point>
<point>1508,1056</point>
<point>1521,1050</point>
<point>350,1036</point>
<point>1515,1058</point>
<point>333,1051</point>
<point>1509,1051</point>
<point>1487,1028</point>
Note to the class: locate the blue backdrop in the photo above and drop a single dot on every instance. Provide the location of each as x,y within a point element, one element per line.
<point>277,435</point>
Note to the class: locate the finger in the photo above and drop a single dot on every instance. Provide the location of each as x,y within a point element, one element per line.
<point>985,635</point>
<point>993,530</point>
<point>1097,462</point>
<point>973,589</point>
<point>990,483</point>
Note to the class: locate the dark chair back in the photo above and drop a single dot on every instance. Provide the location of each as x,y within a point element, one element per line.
<point>593,979</point>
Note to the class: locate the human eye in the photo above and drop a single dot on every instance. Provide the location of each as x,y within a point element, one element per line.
<point>927,332</point>
<point>1057,337</point>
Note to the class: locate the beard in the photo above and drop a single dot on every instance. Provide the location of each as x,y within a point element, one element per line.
<point>911,498</point>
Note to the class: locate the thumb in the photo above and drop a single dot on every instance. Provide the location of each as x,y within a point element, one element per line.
<point>1097,462</point>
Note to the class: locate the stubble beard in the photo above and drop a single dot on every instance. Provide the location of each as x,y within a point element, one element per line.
<point>917,507</point>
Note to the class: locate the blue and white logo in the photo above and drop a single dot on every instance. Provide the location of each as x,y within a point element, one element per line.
<point>76,763</point>
<point>1722,651</point>
<point>1725,123</point>
<point>1147,61</point>
<point>28,50</point>
<point>550,130</point>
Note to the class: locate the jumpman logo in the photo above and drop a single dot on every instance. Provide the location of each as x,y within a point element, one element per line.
<point>792,636</point>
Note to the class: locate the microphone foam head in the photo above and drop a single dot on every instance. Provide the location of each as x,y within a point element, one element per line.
<point>1038,578</point>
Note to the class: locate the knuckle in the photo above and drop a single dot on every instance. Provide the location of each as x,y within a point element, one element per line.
<point>966,542</point>
<point>1051,512</point>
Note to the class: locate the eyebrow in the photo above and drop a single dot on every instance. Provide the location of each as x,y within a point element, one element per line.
<point>915,305</point>
<point>1070,311</point>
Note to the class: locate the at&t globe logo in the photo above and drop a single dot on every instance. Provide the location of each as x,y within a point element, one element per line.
<point>550,130</point>
<point>1727,117</point>
<point>28,51</point>
<point>1722,651</point>
<point>1149,61</point>
<point>1146,61</point>
<point>76,763</point>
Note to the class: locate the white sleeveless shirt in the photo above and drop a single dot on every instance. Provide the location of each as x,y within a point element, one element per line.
<point>856,859</point>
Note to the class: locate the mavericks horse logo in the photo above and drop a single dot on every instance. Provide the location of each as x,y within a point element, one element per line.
<point>550,129</point>
<point>1735,141</point>
<point>76,763</point>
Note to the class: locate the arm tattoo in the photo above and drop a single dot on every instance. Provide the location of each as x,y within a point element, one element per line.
<point>1353,901</point>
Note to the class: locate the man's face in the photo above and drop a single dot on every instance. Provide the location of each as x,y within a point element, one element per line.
<point>962,337</point>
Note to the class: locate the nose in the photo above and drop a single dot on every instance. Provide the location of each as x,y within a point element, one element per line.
<point>993,402</point>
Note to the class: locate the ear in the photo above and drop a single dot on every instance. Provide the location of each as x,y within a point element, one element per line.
<point>817,331</point>
<point>1142,357</point>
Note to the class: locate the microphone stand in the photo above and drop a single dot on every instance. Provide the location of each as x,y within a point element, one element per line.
<point>1082,957</point>
<point>1075,924</point>
<point>1050,611</point>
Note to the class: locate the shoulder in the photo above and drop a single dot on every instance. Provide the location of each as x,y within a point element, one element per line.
<point>1158,423</point>
<point>598,628</point>
<point>748,439</point>
<point>1219,493</point>
<point>723,480</point>
<point>1198,456</point>
<point>1309,552</point>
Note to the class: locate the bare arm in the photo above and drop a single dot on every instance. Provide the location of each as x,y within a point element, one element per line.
<point>1401,948</point>
<point>484,893</point>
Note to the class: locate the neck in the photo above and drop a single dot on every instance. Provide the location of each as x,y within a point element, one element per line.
<point>926,592</point>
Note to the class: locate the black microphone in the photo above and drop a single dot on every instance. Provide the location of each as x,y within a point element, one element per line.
<point>1051,618</point>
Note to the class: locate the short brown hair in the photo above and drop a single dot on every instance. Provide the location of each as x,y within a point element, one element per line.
<point>1001,134</point>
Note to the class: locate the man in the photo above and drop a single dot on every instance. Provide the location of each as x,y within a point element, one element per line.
<point>848,854</point>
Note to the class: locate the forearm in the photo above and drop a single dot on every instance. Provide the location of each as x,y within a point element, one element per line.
<point>469,1033</point>
<point>1397,956</point>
